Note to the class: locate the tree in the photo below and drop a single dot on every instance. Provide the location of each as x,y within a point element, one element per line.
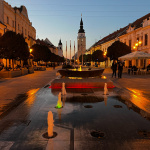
<point>13,46</point>
<point>117,49</point>
<point>41,53</point>
<point>98,56</point>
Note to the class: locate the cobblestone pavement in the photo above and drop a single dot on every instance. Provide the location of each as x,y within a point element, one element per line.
<point>11,88</point>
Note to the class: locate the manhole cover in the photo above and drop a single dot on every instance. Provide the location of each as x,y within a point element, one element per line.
<point>45,135</point>
<point>117,106</point>
<point>88,106</point>
<point>144,134</point>
<point>97,134</point>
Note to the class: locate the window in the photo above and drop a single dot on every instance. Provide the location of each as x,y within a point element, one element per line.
<point>130,43</point>
<point>146,39</point>
<point>7,20</point>
<point>142,40</point>
<point>18,26</point>
<point>13,23</point>
<point>25,32</point>
<point>137,39</point>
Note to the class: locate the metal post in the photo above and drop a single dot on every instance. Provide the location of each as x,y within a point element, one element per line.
<point>74,53</point>
<point>70,52</point>
<point>66,52</point>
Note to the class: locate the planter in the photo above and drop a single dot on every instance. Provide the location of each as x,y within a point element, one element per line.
<point>10,74</point>
<point>39,68</point>
<point>24,71</point>
<point>31,70</point>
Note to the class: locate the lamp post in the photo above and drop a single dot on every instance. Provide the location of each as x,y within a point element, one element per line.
<point>105,57</point>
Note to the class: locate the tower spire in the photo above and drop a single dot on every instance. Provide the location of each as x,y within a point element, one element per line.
<point>81,30</point>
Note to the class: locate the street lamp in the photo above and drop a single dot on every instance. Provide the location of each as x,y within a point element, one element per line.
<point>30,50</point>
<point>135,47</point>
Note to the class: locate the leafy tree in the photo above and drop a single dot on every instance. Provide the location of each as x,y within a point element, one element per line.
<point>41,52</point>
<point>117,49</point>
<point>98,56</point>
<point>13,46</point>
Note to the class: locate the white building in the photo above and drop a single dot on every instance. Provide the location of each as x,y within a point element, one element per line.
<point>81,40</point>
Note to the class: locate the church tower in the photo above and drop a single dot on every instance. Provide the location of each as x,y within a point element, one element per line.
<point>81,40</point>
<point>60,50</point>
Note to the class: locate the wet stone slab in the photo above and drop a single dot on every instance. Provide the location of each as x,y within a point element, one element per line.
<point>113,127</point>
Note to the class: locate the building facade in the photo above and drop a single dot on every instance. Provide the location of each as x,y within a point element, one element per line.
<point>136,35</point>
<point>81,40</point>
<point>16,19</point>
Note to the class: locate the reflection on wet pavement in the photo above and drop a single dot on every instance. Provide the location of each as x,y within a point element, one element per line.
<point>122,127</point>
<point>139,100</point>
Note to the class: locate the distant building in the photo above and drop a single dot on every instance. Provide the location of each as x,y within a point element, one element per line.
<point>81,40</point>
<point>47,43</point>
<point>16,19</point>
<point>60,48</point>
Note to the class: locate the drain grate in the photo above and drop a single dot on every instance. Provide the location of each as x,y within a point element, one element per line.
<point>144,134</point>
<point>88,106</point>
<point>97,134</point>
<point>117,106</point>
<point>46,86</point>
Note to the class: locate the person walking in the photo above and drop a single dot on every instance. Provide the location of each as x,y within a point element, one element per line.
<point>120,69</point>
<point>114,68</point>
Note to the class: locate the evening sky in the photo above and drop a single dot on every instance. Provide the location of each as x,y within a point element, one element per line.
<point>61,18</point>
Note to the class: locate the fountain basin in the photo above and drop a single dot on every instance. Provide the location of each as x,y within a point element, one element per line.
<point>84,73</point>
<point>81,83</point>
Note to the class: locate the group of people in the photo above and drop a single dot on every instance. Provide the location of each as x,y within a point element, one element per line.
<point>117,66</point>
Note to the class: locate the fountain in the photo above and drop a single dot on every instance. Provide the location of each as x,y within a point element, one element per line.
<point>81,72</point>
<point>81,78</point>
<point>50,124</point>
<point>59,103</point>
<point>105,89</point>
<point>63,89</point>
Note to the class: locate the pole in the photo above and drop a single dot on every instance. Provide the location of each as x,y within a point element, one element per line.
<point>70,52</point>
<point>66,52</point>
<point>74,53</point>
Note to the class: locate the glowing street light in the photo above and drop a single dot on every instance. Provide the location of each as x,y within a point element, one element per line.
<point>31,50</point>
<point>137,45</point>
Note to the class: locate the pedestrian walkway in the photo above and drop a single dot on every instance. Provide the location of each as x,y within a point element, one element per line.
<point>132,87</point>
<point>14,87</point>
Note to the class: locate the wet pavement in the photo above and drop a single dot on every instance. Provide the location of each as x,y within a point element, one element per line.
<point>120,120</point>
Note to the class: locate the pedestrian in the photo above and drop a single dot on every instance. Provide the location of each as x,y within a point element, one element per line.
<point>114,68</point>
<point>120,69</point>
